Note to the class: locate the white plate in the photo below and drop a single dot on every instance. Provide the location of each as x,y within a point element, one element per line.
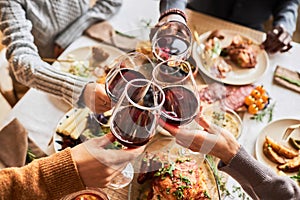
<point>274,130</point>
<point>84,54</point>
<point>238,76</point>
<point>55,144</point>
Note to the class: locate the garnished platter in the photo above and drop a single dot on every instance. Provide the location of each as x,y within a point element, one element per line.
<point>166,161</point>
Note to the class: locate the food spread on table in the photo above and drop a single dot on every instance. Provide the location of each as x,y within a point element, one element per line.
<point>286,158</point>
<point>253,99</point>
<point>77,126</point>
<point>219,59</point>
<point>179,180</point>
<point>224,118</point>
<point>95,65</point>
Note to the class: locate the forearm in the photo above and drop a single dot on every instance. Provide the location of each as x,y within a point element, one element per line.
<point>102,10</point>
<point>34,73</point>
<point>259,181</point>
<point>168,4</point>
<point>46,178</point>
<point>286,14</point>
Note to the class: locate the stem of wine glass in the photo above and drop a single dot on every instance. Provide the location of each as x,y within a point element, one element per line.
<point>123,179</point>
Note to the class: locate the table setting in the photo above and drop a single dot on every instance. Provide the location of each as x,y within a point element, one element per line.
<point>253,97</point>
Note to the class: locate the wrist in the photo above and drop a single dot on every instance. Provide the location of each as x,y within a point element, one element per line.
<point>172,17</point>
<point>173,14</point>
<point>228,154</point>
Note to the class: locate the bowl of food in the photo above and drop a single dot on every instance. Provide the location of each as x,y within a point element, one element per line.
<point>87,194</point>
<point>224,117</point>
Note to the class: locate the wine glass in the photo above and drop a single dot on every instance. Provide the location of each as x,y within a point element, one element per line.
<point>125,68</point>
<point>135,118</point>
<point>172,40</point>
<point>136,115</point>
<point>182,102</point>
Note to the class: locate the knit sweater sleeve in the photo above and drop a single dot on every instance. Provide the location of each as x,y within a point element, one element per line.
<point>259,181</point>
<point>25,61</point>
<point>46,178</point>
<point>102,10</point>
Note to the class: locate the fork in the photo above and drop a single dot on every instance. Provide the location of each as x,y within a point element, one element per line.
<point>289,130</point>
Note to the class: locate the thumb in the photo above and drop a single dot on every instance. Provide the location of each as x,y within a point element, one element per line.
<point>173,130</point>
<point>100,142</point>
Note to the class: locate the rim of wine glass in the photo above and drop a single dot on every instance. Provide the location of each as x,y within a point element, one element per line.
<point>169,22</point>
<point>190,73</point>
<point>127,55</point>
<point>174,21</point>
<point>148,82</point>
<point>117,66</point>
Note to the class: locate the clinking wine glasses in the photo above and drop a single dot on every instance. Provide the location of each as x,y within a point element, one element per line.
<point>125,68</point>
<point>182,102</point>
<point>135,119</point>
<point>172,40</point>
<point>136,115</point>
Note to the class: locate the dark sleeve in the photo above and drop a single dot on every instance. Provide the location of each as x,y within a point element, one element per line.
<point>168,4</point>
<point>259,181</point>
<point>286,14</point>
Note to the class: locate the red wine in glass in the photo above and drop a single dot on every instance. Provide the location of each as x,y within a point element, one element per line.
<point>116,83</point>
<point>180,105</point>
<point>133,127</point>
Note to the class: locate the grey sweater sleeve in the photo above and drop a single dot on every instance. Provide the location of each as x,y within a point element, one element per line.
<point>259,181</point>
<point>286,14</point>
<point>25,61</point>
<point>102,10</point>
<point>168,4</point>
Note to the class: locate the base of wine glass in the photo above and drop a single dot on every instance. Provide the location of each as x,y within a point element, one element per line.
<point>123,179</point>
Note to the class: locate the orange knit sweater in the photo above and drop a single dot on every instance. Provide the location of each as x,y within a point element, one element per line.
<point>47,178</point>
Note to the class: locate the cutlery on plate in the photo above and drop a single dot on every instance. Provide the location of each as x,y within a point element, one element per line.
<point>289,130</point>
<point>59,60</point>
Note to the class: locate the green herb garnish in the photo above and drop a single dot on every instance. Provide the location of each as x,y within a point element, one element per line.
<point>266,112</point>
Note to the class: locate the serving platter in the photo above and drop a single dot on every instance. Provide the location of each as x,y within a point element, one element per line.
<point>169,151</point>
<point>75,127</point>
<point>238,75</point>
<point>275,131</point>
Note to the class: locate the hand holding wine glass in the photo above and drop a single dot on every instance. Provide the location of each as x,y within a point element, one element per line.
<point>172,40</point>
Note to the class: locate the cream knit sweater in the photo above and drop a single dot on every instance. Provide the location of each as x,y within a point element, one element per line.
<point>31,28</point>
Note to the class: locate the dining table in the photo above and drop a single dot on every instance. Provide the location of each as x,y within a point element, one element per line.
<point>40,112</point>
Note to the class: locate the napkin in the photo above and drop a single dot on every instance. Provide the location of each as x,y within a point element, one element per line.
<point>287,78</point>
<point>14,144</point>
<point>104,32</point>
